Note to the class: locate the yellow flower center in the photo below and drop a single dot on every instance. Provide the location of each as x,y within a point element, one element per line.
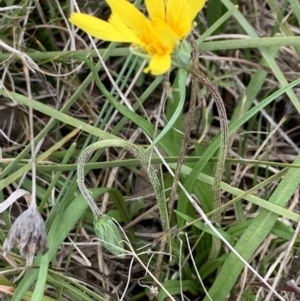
<point>158,37</point>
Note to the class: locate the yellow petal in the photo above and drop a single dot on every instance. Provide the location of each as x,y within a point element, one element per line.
<point>101,29</point>
<point>159,64</point>
<point>128,14</point>
<point>179,17</point>
<point>168,39</point>
<point>123,30</point>
<point>195,7</point>
<point>156,9</point>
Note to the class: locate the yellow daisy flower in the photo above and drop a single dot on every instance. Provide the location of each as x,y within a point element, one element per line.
<point>169,22</point>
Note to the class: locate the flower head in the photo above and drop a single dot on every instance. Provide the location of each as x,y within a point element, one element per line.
<point>169,22</point>
<point>28,233</point>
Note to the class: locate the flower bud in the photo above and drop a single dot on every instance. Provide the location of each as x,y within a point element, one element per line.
<point>182,56</point>
<point>109,235</point>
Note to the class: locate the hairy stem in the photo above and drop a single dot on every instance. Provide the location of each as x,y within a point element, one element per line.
<point>85,156</point>
<point>202,78</point>
<point>186,136</point>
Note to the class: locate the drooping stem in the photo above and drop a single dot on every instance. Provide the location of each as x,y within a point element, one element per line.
<point>135,151</point>
<point>83,158</point>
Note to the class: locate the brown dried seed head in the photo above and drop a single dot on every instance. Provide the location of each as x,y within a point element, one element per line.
<point>28,234</point>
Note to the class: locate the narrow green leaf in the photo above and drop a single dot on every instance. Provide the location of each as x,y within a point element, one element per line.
<point>42,278</point>
<point>254,236</point>
<point>174,287</point>
<point>182,87</point>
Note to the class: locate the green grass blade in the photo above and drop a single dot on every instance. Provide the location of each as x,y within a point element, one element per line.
<point>42,277</point>
<point>182,87</point>
<point>254,236</point>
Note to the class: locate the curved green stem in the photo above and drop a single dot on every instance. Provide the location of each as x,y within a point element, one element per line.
<point>85,156</point>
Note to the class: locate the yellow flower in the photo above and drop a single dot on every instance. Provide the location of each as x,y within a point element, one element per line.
<point>169,22</point>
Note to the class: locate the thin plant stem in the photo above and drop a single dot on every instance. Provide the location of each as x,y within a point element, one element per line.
<point>85,156</point>
<point>216,217</point>
<point>186,136</point>
<point>32,146</point>
<point>203,79</point>
<point>259,150</point>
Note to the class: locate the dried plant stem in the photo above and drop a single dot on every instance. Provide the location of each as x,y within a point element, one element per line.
<point>203,79</point>
<point>32,146</point>
<point>259,150</point>
<point>12,198</point>
<point>289,271</point>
